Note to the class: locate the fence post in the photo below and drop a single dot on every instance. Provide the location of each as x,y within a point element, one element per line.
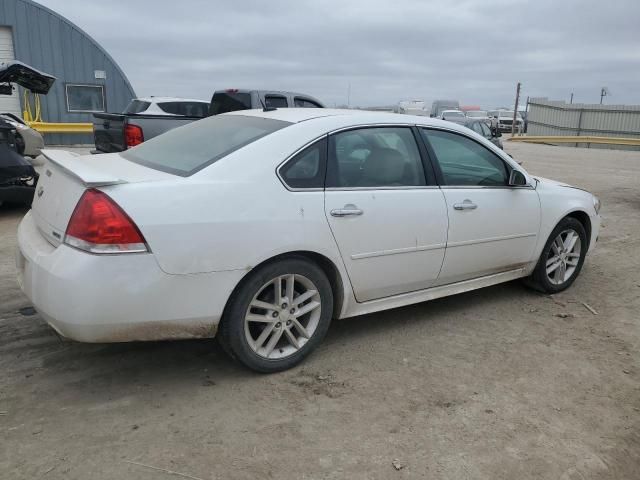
<point>579,124</point>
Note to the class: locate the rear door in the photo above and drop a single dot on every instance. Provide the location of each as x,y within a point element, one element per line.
<point>492,227</point>
<point>387,215</point>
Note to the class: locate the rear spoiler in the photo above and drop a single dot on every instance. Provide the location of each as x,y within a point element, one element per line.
<point>85,168</point>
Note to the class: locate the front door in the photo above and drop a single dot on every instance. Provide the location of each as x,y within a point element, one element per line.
<point>389,220</point>
<point>492,227</point>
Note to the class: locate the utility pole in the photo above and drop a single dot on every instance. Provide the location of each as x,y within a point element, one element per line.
<point>515,110</point>
<point>604,91</point>
<point>349,96</point>
<point>571,101</point>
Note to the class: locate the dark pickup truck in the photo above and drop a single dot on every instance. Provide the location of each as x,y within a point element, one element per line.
<point>146,118</point>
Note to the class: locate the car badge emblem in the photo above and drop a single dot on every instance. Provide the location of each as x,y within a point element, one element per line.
<point>40,192</point>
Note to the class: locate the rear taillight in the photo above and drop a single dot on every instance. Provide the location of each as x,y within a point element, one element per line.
<point>99,225</point>
<point>133,135</point>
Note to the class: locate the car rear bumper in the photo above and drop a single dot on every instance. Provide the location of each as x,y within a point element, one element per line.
<point>117,298</point>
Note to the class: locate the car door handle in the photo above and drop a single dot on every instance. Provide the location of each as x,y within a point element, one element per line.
<point>466,205</point>
<point>347,211</point>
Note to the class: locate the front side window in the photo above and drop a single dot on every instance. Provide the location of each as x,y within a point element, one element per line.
<point>464,162</point>
<point>275,101</point>
<point>374,157</point>
<point>307,168</point>
<point>185,150</point>
<point>85,98</point>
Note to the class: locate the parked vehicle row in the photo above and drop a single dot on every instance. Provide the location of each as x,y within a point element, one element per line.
<point>282,219</point>
<point>146,118</point>
<point>500,119</point>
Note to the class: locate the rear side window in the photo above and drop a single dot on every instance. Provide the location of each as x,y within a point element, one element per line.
<point>300,102</point>
<point>189,109</point>
<point>185,150</point>
<point>223,102</point>
<point>374,157</point>
<point>307,168</point>
<point>275,101</point>
<point>136,106</point>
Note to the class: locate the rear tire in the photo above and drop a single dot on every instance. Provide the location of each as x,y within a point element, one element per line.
<point>561,259</point>
<point>278,315</point>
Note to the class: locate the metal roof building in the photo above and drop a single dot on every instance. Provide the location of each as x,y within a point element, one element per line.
<point>88,79</point>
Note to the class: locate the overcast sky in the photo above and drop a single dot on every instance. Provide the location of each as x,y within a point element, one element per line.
<point>474,50</point>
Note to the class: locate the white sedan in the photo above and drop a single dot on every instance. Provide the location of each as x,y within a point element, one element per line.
<point>262,226</point>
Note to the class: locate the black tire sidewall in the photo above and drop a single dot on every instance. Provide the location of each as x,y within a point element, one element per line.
<point>540,274</point>
<point>231,330</point>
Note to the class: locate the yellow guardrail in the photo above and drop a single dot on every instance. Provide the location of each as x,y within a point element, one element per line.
<point>47,127</point>
<point>576,139</point>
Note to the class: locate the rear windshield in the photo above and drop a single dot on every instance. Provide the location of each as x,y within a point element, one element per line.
<point>223,102</point>
<point>189,109</point>
<point>185,150</point>
<point>136,106</point>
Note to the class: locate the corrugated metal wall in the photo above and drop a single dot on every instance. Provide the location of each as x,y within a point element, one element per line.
<point>548,117</point>
<point>51,43</point>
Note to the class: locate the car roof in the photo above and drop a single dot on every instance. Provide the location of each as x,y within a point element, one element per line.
<point>344,118</point>
<point>153,99</point>
<point>263,91</point>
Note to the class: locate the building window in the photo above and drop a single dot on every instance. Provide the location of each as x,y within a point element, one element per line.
<point>85,98</point>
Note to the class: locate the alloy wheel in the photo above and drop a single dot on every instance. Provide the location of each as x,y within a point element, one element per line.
<point>282,316</point>
<point>563,257</point>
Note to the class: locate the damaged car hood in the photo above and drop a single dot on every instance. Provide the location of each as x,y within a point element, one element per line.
<point>26,76</point>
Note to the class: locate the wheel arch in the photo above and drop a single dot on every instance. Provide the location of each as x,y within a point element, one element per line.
<point>326,264</point>
<point>585,221</point>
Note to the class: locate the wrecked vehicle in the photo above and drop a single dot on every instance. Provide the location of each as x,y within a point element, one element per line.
<point>18,178</point>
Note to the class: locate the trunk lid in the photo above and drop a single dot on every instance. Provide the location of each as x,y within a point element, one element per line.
<point>27,77</point>
<point>66,176</point>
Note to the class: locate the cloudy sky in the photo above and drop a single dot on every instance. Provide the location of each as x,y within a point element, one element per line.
<point>471,50</point>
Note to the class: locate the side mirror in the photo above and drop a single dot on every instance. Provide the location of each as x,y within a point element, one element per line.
<point>517,179</point>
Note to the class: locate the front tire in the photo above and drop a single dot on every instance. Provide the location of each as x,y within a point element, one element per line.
<point>562,257</point>
<point>278,315</point>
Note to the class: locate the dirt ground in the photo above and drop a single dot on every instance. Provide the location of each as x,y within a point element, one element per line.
<point>501,383</point>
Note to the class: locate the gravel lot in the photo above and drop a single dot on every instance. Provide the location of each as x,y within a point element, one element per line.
<point>501,383</point>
